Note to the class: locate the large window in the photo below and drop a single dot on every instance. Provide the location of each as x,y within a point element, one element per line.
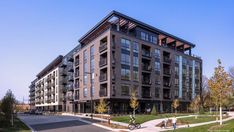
<point>92,69</point>
<point>135,61</point>
<point>125,59</point>
<point>157,66</point>
<point>144,36</point>
<point>85,92</point>
<point>135,47</point>
<point>125,74</point>
<point>157,53</point>
<point>85,55</point>
<point>125,90</point>
<point>135,75</point>
<point>177,59</point>
<point>153,39</point>
<point>125,44</point>
<point>85,73</point>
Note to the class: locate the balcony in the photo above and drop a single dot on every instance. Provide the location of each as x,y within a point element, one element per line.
<point>102,62</point>
<point>70,88</point>
<point>146,81</point>
<point>146,68</point>
<point>77,62</point>
<point>167,60</point>
<point>71,59</point>
<point>103,77</point>
<point>70,79</point>
<point>167,84</point>
<point>146,92</point>
<point>71,70</point>
<point>70,98</point>
<point>102,47</point>
<point>103,92</point>
<point>166,94</point>
<point>76,97</point>
<point>77,85</point>
<point>167,72</point>
<point>146,54</point>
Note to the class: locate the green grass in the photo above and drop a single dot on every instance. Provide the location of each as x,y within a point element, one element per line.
<point>144,118</point>
<point>229,125</point>
<point>192,120</point>
<point>19,126</point>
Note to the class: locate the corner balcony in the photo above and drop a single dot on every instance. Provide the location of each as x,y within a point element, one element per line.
<point>103,47</point>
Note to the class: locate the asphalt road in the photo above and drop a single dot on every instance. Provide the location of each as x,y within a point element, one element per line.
<point>58,124</point>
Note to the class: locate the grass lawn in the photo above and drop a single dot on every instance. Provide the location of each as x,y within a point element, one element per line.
<point>18,126</point>
<point>229,125</point>
<point>192,120</point>
<point>144,118</point>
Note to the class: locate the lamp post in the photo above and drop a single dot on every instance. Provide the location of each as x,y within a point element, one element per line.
<point>91,94</point>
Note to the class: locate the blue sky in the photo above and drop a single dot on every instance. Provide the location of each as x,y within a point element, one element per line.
<point>32,33</point>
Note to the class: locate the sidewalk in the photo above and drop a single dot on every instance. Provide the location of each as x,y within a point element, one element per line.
<point>150,125</point>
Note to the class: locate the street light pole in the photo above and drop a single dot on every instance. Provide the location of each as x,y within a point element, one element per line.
<point>91,94</point>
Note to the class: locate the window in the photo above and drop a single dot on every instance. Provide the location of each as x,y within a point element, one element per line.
<point>135,75</point>
<point>143,36</point>
<point>176,70</point>
<point>153,39</point>
<point>92,51</point>
<point>157,66</point>
<point>85,73</point>
<point>85,92</point>
<point>85,55</point>
<point>125,44</point>
<point>177,59</point>
<point>157,53</point>
<point>135,47</point>
<point>135,61</point>
<point>125,90</point>
<point>125,59</point>
<point>125,74</point>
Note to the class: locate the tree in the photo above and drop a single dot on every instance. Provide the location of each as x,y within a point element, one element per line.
<point>7,106</point>
<point>134,102</point>
<point>220,87</point>
<point>175,104</point>
<point>101,107</point>
<point>195,105</point>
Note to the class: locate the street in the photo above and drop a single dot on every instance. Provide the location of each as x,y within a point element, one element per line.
<point>58,124</point>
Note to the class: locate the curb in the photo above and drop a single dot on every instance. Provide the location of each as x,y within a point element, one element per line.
<point>27,125</point>
<point>105,127</point>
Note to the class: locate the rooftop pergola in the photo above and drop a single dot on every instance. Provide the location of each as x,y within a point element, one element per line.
<point>125,22</point>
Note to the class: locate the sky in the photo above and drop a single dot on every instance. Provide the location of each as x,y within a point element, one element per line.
<point>33,33</point>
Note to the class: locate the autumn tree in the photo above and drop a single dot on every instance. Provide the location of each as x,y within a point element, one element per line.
<point>195,105</point>
<point>220,87</point>
<point>134,102</point>
<point>101,107</point>
<point>175,104</point>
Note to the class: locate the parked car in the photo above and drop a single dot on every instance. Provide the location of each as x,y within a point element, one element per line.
<point>38,112</point>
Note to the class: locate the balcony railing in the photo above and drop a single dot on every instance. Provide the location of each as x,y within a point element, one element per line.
<point>146,53</point>
<point>166,59</point>
<point>77,62</point>
<point>103,92</point>
<point>102,62</point>
<point>103,77</point>
<point>103,47</point>
<point>167,72</point>
<point>146,81</point>
<point>146,68</point>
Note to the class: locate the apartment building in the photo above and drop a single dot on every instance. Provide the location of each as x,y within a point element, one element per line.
<point>32,94</point>
<point>117,56</point>
<point>121,54</point>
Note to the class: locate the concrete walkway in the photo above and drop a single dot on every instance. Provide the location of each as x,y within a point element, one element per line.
<point>150,125</point>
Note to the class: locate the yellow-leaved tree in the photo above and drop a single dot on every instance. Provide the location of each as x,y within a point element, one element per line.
<point>220,87</point>
<point>101,107</point>
<point>175,104</point>
<point>195,105</point>
<point>134,102</point>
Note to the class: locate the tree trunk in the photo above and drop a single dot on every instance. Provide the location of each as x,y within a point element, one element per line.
<point>134,113</point>
<point>210,110</point>
<point>220,115</point>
